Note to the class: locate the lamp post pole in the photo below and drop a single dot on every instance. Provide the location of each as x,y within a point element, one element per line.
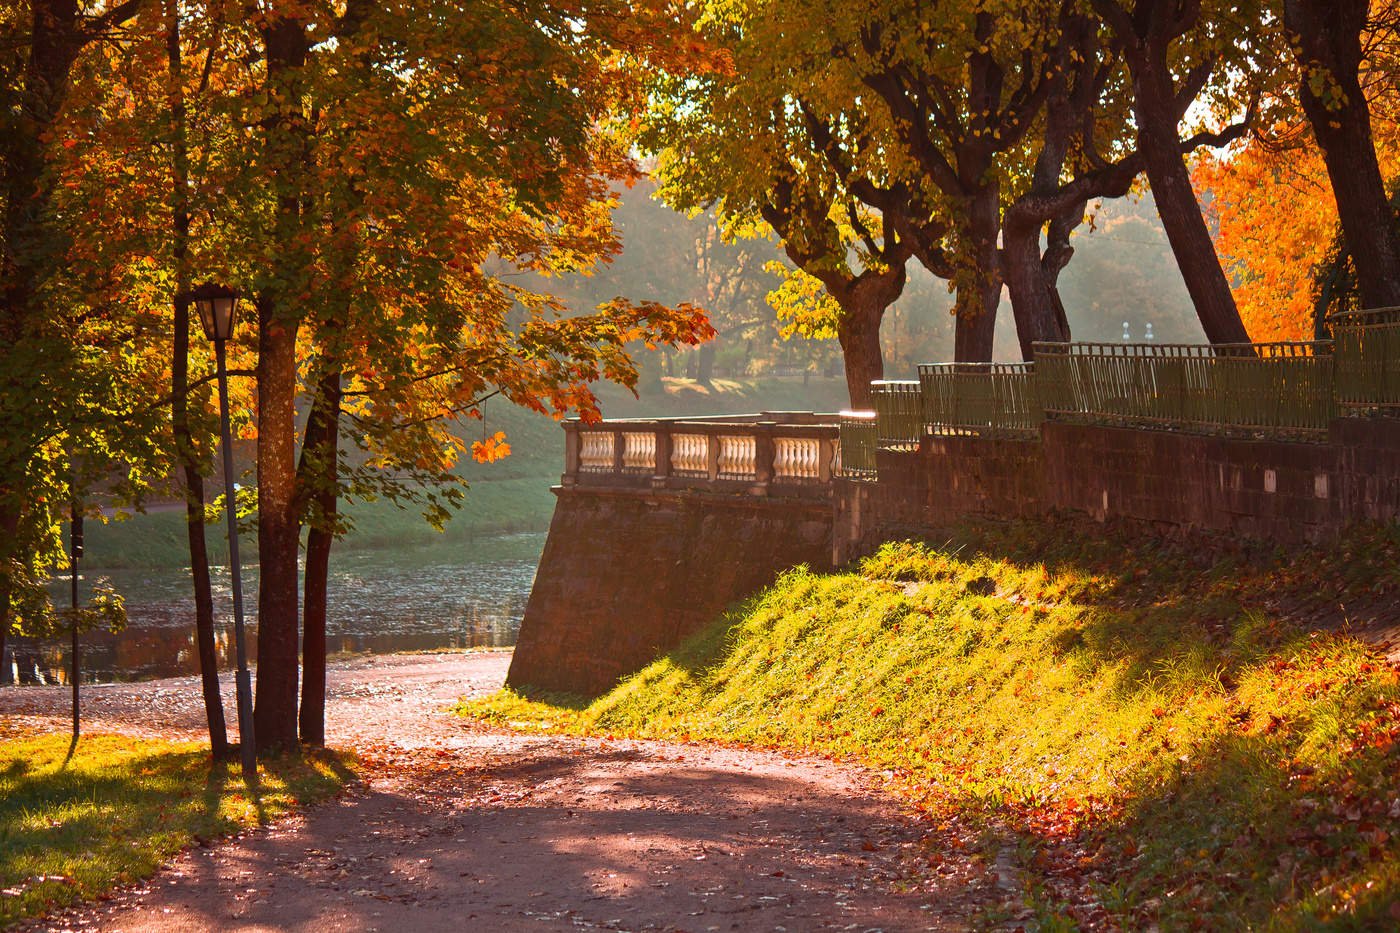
<point>244,680</point>
<point>218,308</point>
<point>75,549</point>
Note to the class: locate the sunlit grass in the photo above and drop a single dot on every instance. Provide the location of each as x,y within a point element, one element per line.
<point>122,806</point>
<point>1162,739</point>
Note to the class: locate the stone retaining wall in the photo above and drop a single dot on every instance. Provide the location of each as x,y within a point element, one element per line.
<point>954,477</point>
<point>1269,489</point>
<point>628,575</point>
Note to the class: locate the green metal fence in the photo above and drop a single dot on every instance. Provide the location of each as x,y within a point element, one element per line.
<point>1258,388</point>
<point>1368,360</point>
<point>859,439</point>
<point>980,398</point>
<point>899,417</point>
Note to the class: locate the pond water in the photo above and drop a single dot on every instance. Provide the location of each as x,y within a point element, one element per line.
<point>447,595</point>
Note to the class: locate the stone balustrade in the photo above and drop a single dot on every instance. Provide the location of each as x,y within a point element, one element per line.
<point>767,454</point>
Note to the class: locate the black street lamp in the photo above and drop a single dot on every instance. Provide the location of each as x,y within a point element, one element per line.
<point>218,308</point>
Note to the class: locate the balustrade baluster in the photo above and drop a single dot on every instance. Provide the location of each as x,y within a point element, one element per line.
<point>596,451</point>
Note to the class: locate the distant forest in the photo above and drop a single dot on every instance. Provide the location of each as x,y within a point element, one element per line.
<point>1122,271</point>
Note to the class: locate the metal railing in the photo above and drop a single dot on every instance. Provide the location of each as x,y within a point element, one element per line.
<point>1258,389</point>
<point>899,415</point>
<point>859,439</point>
<point>980,398</point>
<point>1254,388</point>
<point>1368,359</point>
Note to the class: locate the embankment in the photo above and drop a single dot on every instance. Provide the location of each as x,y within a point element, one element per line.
<point>1159,725</point>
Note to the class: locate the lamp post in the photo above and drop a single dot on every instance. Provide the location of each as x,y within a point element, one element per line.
<point>75,550</point>
<point>217,307</point>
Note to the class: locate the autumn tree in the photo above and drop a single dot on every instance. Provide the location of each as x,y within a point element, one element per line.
<point>142,126</point>
<point>1328,39</point>
<point>408,174</point>
<point>74,390</point>
<point>921,119</point>
<point>1177,51</point>
<point>1290,267</point>
<point>962,87</point>
<point>1079,151</point>
<point>374,179</point>
<point>1270,254</point>
<point>746,142</point>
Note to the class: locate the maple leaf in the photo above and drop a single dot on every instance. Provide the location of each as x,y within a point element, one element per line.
<point>491,449</point>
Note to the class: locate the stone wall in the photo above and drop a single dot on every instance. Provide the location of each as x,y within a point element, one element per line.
<point>1265,489</point>
<point>627,575</point>
<point>952,477</point>
<point>1270,489</point>
<point>1368,467</point>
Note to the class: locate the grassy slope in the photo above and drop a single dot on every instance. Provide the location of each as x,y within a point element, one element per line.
<point>510,495</point>
<point>1166,746</point>
<point>121,807</point>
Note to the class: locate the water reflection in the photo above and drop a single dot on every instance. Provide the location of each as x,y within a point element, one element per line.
<point>405,599</point>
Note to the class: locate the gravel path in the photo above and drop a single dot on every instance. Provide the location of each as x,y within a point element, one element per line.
<point>459,826</point>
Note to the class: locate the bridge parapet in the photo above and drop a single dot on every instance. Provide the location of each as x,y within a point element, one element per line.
<point>774,454</point>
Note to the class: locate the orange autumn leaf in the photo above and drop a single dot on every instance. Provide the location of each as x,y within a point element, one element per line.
<point>491,449</point>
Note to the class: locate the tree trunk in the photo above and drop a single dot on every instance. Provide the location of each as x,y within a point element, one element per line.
<point>1328,37</point>
<point>194,529</point>
<point>705,367</point>
<point>9,528</point>
<point>1155,109</point>
<point>1034,298</point>
<point>1057,255</point>
<point>279,532</point>
<point>1032,276</point>
<point>179,405</point>
<point>859,336</point>
<point>979,293</point>
<point>974,329</point>
<point>4,632</point>
<point>279,526</point>
<point>863,304</point>
<point>313,644</point>
<point>320,470</point>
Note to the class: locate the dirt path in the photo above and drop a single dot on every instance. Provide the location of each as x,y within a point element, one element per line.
<point>458,826</point>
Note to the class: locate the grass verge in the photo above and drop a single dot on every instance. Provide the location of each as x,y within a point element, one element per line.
<point>122,806</point>
<point>1163,739</point>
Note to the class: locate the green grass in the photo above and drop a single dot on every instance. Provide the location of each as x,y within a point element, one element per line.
<point>1142,718</point>
<point>123,806</point>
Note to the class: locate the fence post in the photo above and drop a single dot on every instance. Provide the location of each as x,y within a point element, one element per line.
<point>661,471</point>
<point>712,454</point>
<point>571,453</point>
<point>764,450</point>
